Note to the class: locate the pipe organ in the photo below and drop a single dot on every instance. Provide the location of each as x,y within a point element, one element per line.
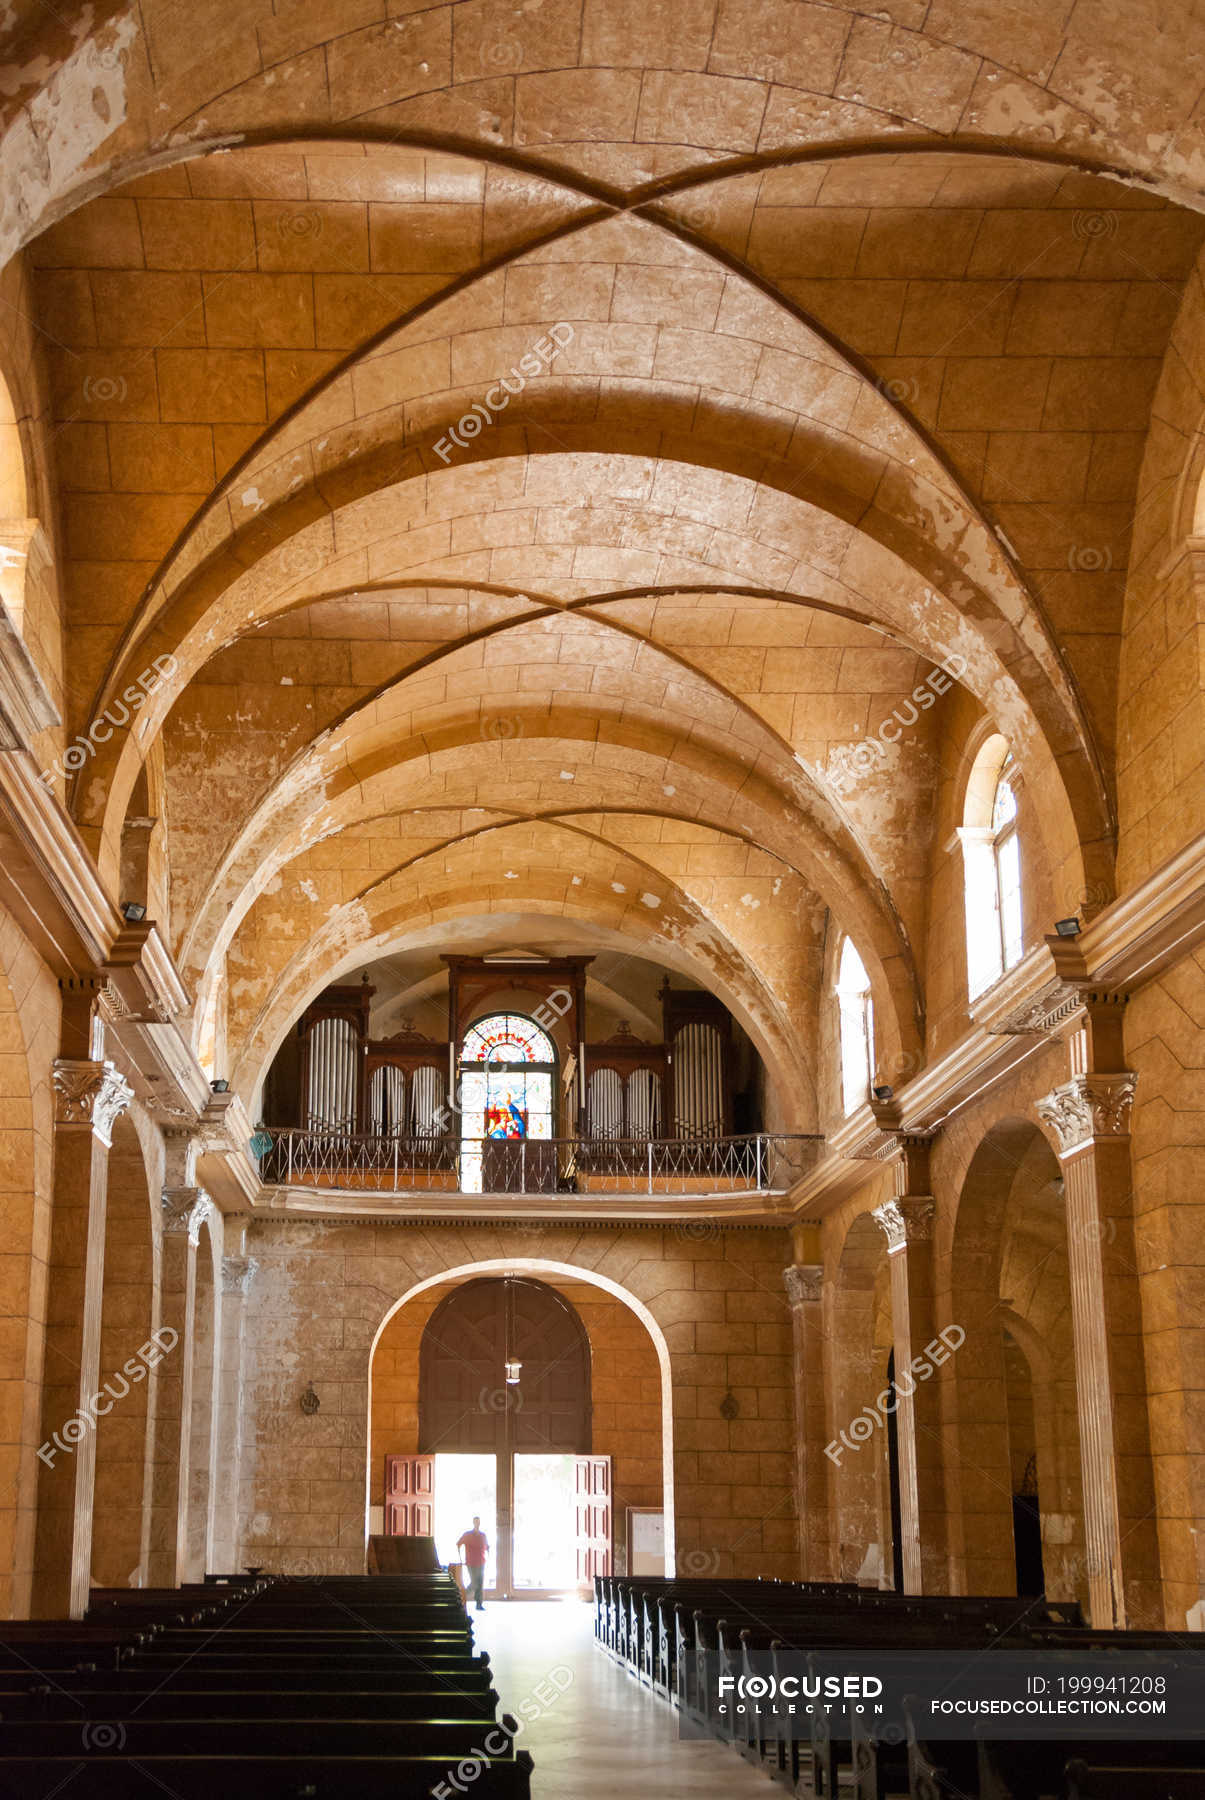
<point>624,1085</point>
<point>333,1031</point>
<point>623,1088</point>
<point>698,1045</point>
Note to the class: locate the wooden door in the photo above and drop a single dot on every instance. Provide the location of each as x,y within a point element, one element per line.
<point>592,1490</point>
<point>409,1496</point>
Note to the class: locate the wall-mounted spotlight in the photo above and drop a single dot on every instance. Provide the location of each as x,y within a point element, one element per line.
<point>884,1093</point>
<point>1067,927</point>
<point>132,912</point>
<point>513,1371</point>
<point>219,1087</point>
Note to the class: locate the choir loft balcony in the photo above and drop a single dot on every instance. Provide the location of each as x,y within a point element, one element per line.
<point>668,1176</point>
<point>528,1092</point>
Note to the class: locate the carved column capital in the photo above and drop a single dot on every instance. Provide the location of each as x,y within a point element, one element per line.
<point>904,1221</point>
<point>185,1210</point>
<point>238,1272</point>
<point>1089,1107</point>
<point>89,1096</point>
<point>804,1283</point>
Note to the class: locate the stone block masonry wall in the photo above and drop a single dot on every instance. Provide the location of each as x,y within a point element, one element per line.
<point>324,1288</point>
<point>1165,1042</point>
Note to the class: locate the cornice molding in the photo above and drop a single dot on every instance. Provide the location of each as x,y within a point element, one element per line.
<point>1131,942</point>
<point>1152,926</point>
<point>142,968</point>
<point>47,878</point>
<point>26,707</point>
<point>694,1218</point>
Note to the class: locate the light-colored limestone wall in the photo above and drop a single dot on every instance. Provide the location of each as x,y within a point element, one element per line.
<point>28,507</point>
<point>1165,1040</point>
<point>323,1290</point>
<point>857,1329</point>
<point>1161,716</point>
<point>29,1030</point>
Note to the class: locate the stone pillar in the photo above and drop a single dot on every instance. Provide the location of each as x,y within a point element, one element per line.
<point>907,1224</point>
<point>238,1273</point>
<point>89,1097</point>
<point>1090,1115</point>
<point>805,1284</point>
<point>173,1393</point>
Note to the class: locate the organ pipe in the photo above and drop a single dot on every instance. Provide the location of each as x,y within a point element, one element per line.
<point>699,1099</point>
<point>332,1075</point>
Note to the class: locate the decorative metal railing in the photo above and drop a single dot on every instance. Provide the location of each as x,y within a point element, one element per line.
<point>761,1163</point>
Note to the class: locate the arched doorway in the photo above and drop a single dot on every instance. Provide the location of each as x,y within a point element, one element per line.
<point>631,1392</point>
<point>505,1433</point>
<point>1013,1485</point>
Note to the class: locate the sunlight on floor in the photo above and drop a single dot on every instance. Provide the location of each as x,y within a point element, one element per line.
<point>592,1730</point>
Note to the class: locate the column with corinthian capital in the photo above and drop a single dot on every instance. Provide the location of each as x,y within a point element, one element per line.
<point>238,1274</point>
<point>1090,1118</point>
<point>907,1224</point>
<point>185,1209</point>
<point>89,1095</point>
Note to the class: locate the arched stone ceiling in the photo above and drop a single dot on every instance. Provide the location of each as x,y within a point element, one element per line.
<point>633,741</point>
<point>623,93</point>
<point>776,683</point>
<point>822,419</point>
<point>700,918</point>
<point>891,453</point>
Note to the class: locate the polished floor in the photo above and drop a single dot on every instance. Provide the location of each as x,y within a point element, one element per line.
<point>603,1734</point>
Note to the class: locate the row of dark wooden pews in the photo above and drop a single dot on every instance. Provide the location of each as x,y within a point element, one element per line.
<point>680,1636</point>
<point>257,1689</point>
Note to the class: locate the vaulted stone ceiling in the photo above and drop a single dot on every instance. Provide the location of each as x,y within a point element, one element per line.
<point>852,377</point>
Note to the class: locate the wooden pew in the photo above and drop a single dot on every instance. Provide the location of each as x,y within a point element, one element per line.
<point>1105,1775</point>
<point>364,1687</point>
<point>261,1777</point>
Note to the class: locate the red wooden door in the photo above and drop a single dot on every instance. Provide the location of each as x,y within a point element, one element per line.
<point>592,1489</point>
<point>409,1496</point>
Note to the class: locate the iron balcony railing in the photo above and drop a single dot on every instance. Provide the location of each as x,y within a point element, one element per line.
<point>763,1162</point>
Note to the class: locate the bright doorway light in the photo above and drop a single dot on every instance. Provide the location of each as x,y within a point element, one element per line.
<point>466,1485</point>
<point>545,1549</point>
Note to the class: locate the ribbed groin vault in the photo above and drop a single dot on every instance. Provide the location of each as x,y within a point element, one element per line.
<point>674,525</point>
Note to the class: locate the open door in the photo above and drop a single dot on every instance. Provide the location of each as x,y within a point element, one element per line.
<point>409,1496</point>
<point>593,1508</point>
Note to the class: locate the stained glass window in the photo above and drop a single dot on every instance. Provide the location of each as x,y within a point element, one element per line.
<point>507,1038</point>
<point>506,1071</point>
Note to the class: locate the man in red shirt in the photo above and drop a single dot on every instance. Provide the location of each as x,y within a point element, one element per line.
<point>475,1545</point>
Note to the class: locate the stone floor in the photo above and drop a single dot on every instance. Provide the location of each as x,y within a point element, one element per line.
<point>604,1734</point>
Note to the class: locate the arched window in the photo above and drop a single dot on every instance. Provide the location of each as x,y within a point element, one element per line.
<point>1007,856</point>
<point>991,854</point>
<point>857,1027</point>
<point>507,1069</point>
